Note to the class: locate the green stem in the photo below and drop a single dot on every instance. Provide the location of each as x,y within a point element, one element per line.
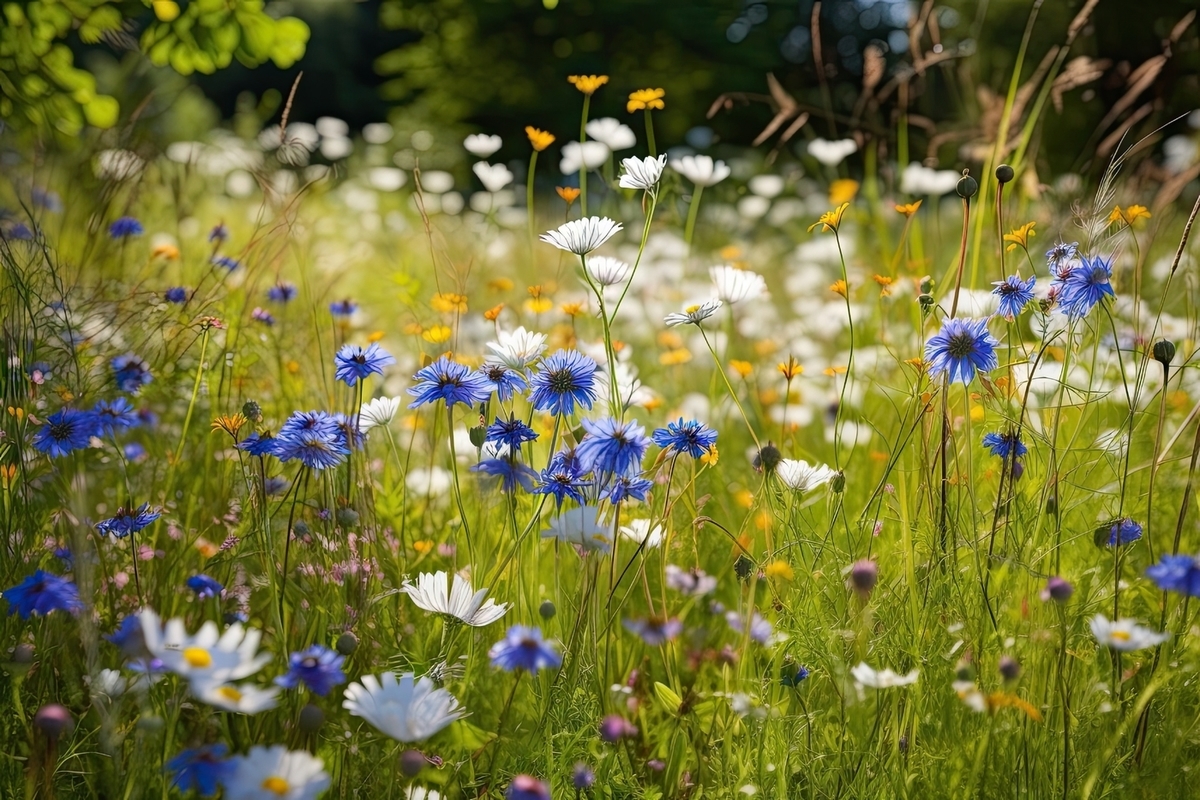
<point>583,170</point>
<point>693,211</point>
<point>650,134</point>
<point>529,201</point>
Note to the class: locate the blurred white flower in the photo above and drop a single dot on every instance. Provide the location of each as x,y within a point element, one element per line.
<point>589,154</point>
<point>404,708</point>
<point>437,594</point>
<point>614,135</point>
<point>437,181</point>
<point>582,236</point>
<point>482,145</point>
<point>921,180</point>
<point>881,679</point>
<point>969,693</point>
<point>379,411</point>
<point>768,186</point>
<point>639,530</point>
<point>642,173</point>
<point>831,153</point>
<point>336,147</point>
<point>1124,634</point>
<point>431,481</point>
<point>701,170</point>
<point>494,177</point>
<point>332,127</point>
<point>386,179</point>
<point>579,527</point>
<point>208,656</point>
<point>736,285</point>
<point>118,165</point>
<point>693,582</point>
<point>244,699</point>
<point>276,771</point>
<point>800,476</point>
<point>608,271</point>
<point>753,207</point>
<point>378,132</point>
<point>517,349</point>
<point>693,314</point>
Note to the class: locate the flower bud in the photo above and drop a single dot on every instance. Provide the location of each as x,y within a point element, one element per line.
<point>347,517</point>
<point>23,654</point>
<point>346,644</point>
<point>837,484</point>
<point>768,458</point>
<point>1164,352</point>
<point>614,727</point>
<point>527,787</point>
<point>1058,590</point>
<point>1005,173</point>
<point>926,284</point>
<point>743,567</point>
<point>583,777</point>
<point>964,670</point>
<point>252,411</point>
<point>547,609</point>
<point>478,436</point>
<point>53,720</point>
<point>311,718</point>
<point>1009,668</point>
<point>412,762</point>
<point>864,574</point>
<point>967,186</point>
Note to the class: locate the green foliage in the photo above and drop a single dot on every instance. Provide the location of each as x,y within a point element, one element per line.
<point>42,87</point>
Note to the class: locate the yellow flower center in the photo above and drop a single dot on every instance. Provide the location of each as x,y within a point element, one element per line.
<point>197,657</point>
<point>1120,636</point>
<point>691,309</point>
<point>276,785</point>
<point>229,693</point>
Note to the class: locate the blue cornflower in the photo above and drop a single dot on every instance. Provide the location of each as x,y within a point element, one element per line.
<point>202,769</point>
<point>282,292</point>
<point>511,432</point>
<point>1085,286</point>
<point>128,521</point>
<point>47,199</point>
<point>355,363</point>
<point>125,226</point>
<point>176,294</point>
<point>130,372</point>
<point>625,487</point>
<point>563,478</point>
<point>115,415</point>
<point>526,787</point>
<point>225,263</point>
<point>524,648</point>
<point>449,382</point>
<point>691,437</point>
<point>510,472</point>
<point>20,232</point>
<point>262,315</point>
<point>343,308</point>
<point>314,438</point>
<point>274,485</point>
<point>1177,574</point>
<point>1014,294</point>
<point>794,679</point>
<point>219,233</point>
<point>204,586</point>
<point>353,436</point>
<point>318,668</point>
<point>258,444</point>
<point>503,381</point>
<point>567,377</point>
<point>655,630</point>
<point>1124,531</point>
<point>961,347</point>
<point>65,430</point>
<point>1005,445</point>
<point>41,593</point>
<point>129,637</point>
<point>1061,254</point>
<point>612,447</point>
<point>134,452</point>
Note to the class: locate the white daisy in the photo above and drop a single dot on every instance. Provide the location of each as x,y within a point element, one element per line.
<point>831,153</point>
<point>639,530</point>
<point>582,236</point>
<point>434,592</point>
<point>701,170</point>
<point>881,679</point>
<point>244,699</point>
<point>481,145</point>
<point>612,133</point>
<point>579,526</point>
<point>800,476</point>
<point>431,481</point>
<point>693,314</point>
<point>518,349</point>
<point>642,173</point>
<point>406,709</point>
<point>1125,634</point>
<point>766,186</point>
<point>494,177</point>
<point>589,155</point>
<point>736,285</point>
<point>206,657</point>
<point>919,179</point>
<point>608,271</point>
<point>276,772</point>
<point>378,412</point>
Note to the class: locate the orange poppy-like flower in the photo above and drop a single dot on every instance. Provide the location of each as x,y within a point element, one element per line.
<point>538,138</point>
<point>568,193</point>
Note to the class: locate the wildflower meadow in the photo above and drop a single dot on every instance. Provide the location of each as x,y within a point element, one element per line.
<point>603,465</point>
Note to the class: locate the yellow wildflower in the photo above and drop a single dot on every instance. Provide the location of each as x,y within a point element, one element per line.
<point>375,336</point>
<point>538,138</point>
<point>830,220</point>
<point>1020,236</point>
<point>166,250</point>
<point>206,548</point>
<point>501,284</point>
<point>572,309</point>
<point>780,569</point>
<point>1129,214</point>
<point>231,424</point>
<point>838,287</point>
<point>669,339</point>
<point>588,84</point>
<point>413,328</point>
<point>742,368</point>
<point>836,370</point>
<point>538,305</point>
<point>885,284</point>
<point>711,456</point>
<point>673,358</point>
<point>437,334</point>
<point>842,190</point>
<point>908,209</point>
<point>449,303</point>
<point>790,369</point>
<point>646,99</point>
<point>493,313</point>
<point>568,193</point>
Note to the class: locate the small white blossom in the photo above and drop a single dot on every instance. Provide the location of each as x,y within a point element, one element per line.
<point>378,412</point>
<point>607,271</point>
<point>614,134</point>
<point>1125,634</point>
<point>579,526</point>
<point>831,153</point>
<point>582,236</point>
<point>693,314</point>
<point>481,145</point>
<point>517,349</point>
<point>494,177</point>
<point>639,530</point>
<point>881,679</point>
<point>642,173</point>
<point>800,476</point>
<point>737,285</point>
<point>404,708</point>
<point>589,155</point>
<point>701,170</point>
<point>435,593</point>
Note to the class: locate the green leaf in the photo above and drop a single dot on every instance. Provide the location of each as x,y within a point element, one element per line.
<point>667,696</point>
